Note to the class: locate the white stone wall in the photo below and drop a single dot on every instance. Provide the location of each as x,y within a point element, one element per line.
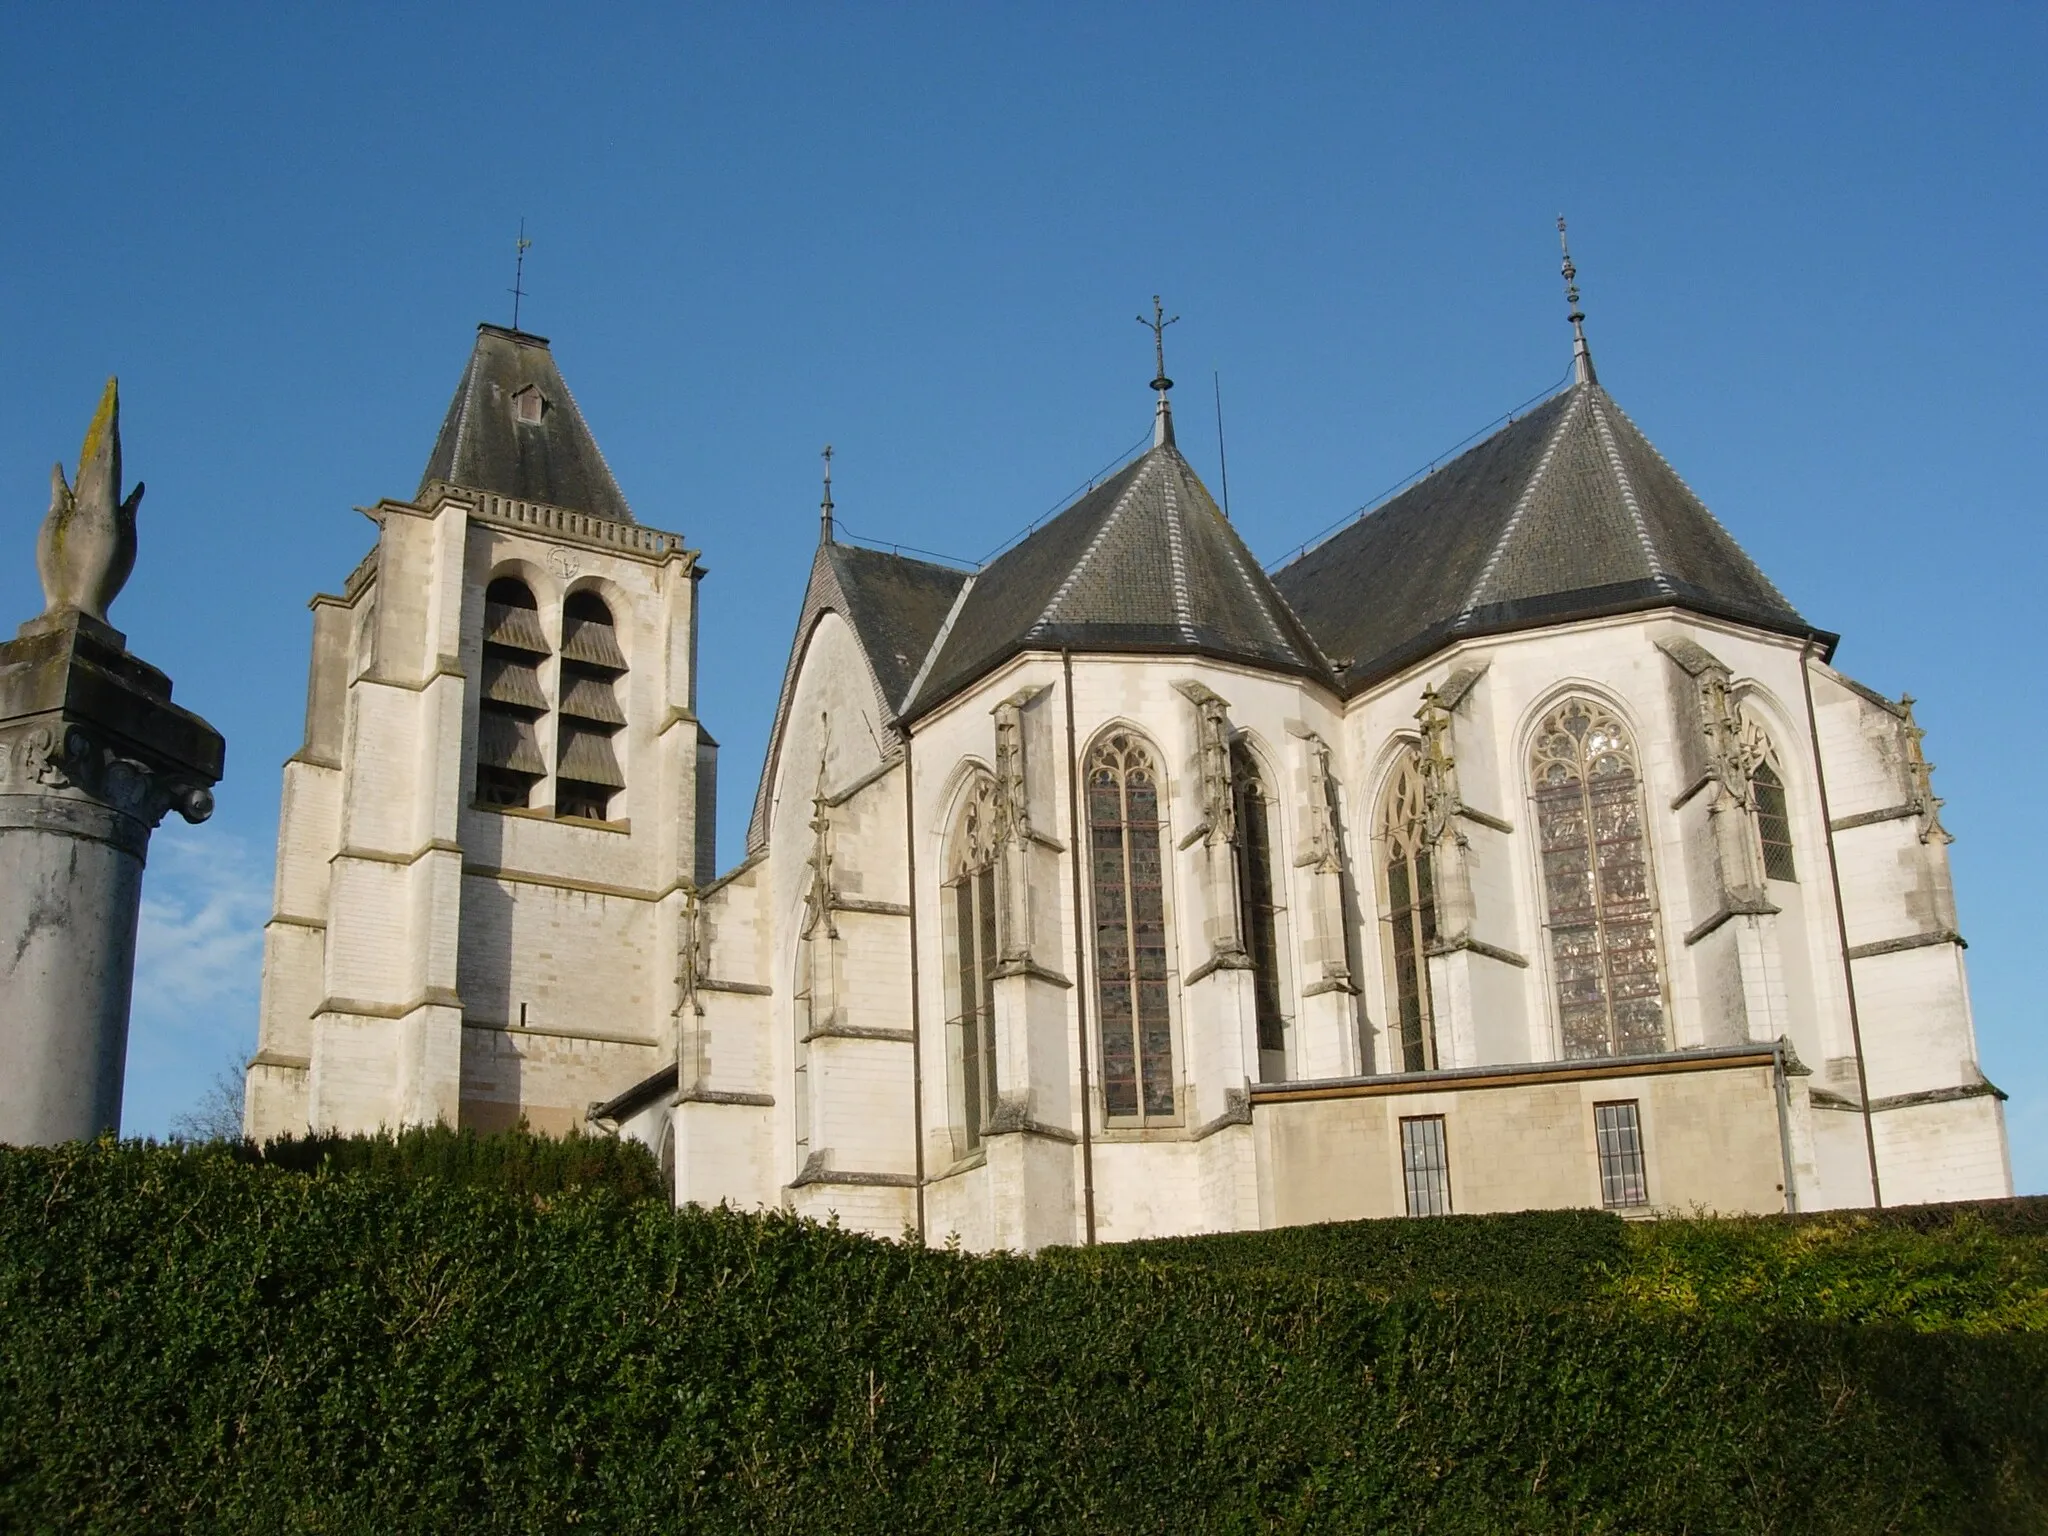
<point>475,965</point>
<point>433,958</point>
<point>1750,977</point>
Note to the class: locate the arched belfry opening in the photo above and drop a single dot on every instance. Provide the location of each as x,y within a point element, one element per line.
<point>588,776</point>
<point>508,756</point>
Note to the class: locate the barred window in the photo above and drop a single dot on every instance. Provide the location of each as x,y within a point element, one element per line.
<point>1408,911</point>
<point>508,756</point>
<point>1618,1133</point>
<point>587,775</point>
<point>1128,871</point>
<point>1596,884</point>
<point>1426,1166</point>
<point>1259,907</point>
<point>1773,822</point>
<point>971,912</point>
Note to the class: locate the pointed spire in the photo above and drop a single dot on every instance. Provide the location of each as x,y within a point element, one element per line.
<point>1162,415</point>
<point>825,506</point>
<point>1582,358</point>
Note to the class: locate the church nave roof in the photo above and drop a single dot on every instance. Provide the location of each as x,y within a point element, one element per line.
<point>1146,561</point>
<point>1565,514</point>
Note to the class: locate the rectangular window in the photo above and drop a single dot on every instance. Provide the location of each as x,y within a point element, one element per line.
<point>1618,1132</point>
<point>1426,1166</point>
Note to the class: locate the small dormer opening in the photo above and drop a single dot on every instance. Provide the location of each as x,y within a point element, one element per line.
<point>529,405</point>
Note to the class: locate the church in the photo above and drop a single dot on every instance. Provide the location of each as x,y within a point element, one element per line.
<point>1516,847</point>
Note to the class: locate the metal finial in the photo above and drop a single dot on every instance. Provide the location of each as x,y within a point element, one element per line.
<point>519,271</point>
<point>1159,324</point>
<point>825,506</point>
<point>1162,417</point>
<point>1582,356</point>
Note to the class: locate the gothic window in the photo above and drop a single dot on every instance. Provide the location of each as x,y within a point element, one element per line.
<point>1258,907</point>
<point>1596,883</point>
<point>1408,908</point>
<point>1128,871</point>
<point>971,914</point>
<point>587,775</point>
<point>508,757</point>
<point>1773,820</point>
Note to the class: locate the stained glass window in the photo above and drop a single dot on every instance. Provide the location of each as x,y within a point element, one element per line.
<point>1258,905</point>
<point>1127,870</point>
<point>1596,884</point>
<point>1408,910</point>
<point>1773,821</point>
<point>971,1024</point>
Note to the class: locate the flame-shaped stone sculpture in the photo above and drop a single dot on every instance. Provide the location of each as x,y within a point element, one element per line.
<point>87,545</point>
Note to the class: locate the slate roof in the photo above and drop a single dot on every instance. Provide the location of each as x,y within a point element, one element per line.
<point>485,446</point>
<point>1568,513</point>
<point>1144,562</point>
<point>895,607</point>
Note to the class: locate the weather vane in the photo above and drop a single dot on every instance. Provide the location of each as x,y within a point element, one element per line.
<point>1159,324</point>
<point>519,272</point>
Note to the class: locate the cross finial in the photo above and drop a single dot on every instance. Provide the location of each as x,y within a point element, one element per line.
<point>1582,356</point>
<point>1159,324</point>
<point>825,506</point>
<point>1162,419</point>
<point>519,271</point>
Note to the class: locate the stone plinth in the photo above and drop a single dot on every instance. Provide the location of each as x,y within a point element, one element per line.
<point>92,754</point>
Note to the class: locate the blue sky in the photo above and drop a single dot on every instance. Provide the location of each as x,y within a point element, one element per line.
<point>1811,242</point>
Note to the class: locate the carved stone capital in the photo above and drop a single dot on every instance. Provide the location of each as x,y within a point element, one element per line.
<point>73,761</point>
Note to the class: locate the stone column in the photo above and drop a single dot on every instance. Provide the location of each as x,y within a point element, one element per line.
<point>92,754</point>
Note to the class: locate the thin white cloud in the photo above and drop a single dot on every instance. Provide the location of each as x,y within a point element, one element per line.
<point>198,967</point>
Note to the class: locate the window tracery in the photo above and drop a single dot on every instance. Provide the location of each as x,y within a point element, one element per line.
<point>975,954</point>
<point>1596,883</point>
<point>1127,876</point>
<point>1407,869</point>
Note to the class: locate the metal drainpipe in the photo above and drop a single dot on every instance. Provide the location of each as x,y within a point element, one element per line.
<point>916,1013</point>
<point>1784,1124</point>
<point>1827,822</point>
<point>1080,949</point>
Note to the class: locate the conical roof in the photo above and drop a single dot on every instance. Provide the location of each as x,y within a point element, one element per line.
<point>1568,513</point>
<point>513,428</point>
<point>1144,562</point>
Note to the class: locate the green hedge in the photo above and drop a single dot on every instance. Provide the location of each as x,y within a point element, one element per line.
<point>1976,1267</point>
<point>189,1341</point>
<point>1552,1256</point>
<point>517,1162</point>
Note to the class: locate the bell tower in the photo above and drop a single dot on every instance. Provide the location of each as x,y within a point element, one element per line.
<point>504,795</point>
